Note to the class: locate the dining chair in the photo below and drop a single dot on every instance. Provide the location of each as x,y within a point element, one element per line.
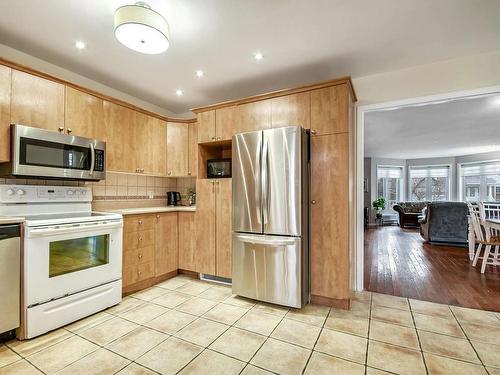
<point>486,237</point>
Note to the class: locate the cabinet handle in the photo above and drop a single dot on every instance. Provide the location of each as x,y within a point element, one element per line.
<point>140,222</point>
<point>169,173</point>
<point>213,138</point>
<point>61,129</point>
<point>139,273</point>
<point>140,256</point>
<point>157,216</point>
<point>313,132</point>
<point>189,173</point>
<point>140,239</point>
<point>217,182</point>
<point>69,130</point>
<point>313,201</point>
<point>218,138</point>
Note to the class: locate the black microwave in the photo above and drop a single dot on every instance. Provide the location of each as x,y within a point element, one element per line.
<point>219,168</point>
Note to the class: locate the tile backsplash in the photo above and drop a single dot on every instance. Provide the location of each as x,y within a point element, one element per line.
<point>120,186</point>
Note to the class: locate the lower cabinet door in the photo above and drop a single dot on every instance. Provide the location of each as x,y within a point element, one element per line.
<point>205,226</point>
<point>166,257</point>
<point>187,241</point>
<point>223,220</point>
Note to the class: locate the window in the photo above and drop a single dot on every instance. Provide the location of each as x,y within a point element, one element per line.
<point>429,183</point>
<point>480,181</point>
<point>390,184</point>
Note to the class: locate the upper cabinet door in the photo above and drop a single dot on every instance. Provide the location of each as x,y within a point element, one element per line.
<point>225,123</point>
<point>84,115</point>
<point>330,110</point>
<point>37,102</point>
<point>120,145</point>
<point>291,110</point>
<point>253,116</point>
<point>177,149</point>
<point>206,127</point>
<point>193,149</point>
<point>5,89</point>
<point>157,146</point>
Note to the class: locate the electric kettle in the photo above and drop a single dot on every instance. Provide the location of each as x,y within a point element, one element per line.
<point>173,197</point>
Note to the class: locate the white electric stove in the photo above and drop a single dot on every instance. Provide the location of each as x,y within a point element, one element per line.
<point>72,256</point>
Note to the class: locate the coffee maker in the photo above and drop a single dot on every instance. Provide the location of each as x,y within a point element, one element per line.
<point>173,197</point>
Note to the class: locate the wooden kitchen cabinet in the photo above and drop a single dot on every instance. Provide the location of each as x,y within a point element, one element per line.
<point>252,116</point>
<point>157,146</point>
<point>206,126</point>
<point>330,110</point>
<point>193,149</point>
<point>177,149</point>
<point>84,115</point>
<point>121,143</point>
<point>290,110</point>
<point>5,89</point>
<point>223,227</point>
<point>205,226</point>
<point>225,122</point>
<point>187,241</point>
<point>166,245</point>
<point>138,249</point>
<point>213,227</point>
<point>36,102</point>
<point>329,240</point>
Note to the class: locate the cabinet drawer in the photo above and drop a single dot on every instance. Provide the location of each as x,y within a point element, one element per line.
<point>137,256</point>
<point>139,239</point>
<point>138,222</point>
<point>139,272</point>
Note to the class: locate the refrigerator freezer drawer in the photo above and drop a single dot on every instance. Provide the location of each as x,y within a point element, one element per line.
<point>268,268</point>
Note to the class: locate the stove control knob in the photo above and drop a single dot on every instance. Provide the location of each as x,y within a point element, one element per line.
<point>21,192</point>
<point>10,192</point>
<point>71,192</point>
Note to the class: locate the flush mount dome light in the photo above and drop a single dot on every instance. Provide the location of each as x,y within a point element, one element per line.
<point>140,28</point>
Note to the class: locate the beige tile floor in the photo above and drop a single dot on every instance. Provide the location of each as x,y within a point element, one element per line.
<point>186,326</point>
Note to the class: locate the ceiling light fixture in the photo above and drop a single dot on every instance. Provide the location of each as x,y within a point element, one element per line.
<point>179,92</point>
<point>200,73</point>
<point>142,29</point>
<point>80,45</point>
<point>258,56</point>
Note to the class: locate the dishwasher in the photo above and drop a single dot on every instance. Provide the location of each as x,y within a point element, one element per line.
<point>10,278</point>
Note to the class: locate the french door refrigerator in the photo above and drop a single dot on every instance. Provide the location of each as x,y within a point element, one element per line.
<point>270,177</point>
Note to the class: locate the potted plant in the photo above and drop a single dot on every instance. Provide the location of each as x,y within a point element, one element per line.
<point>379,205</point>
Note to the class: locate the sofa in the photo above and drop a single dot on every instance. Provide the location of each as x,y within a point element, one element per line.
<point>409,213</point>
<point>445,223</point>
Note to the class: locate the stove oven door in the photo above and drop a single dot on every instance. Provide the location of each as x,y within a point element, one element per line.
<point>66,259</point>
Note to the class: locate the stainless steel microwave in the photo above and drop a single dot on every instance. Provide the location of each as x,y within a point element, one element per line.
<point>46,154</point>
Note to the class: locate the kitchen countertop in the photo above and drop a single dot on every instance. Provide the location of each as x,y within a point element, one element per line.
<point>151,210</point>
<point>10,220</point>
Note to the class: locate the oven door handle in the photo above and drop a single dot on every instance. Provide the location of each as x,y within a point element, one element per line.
<point>92,159</point>
<point>49,231</point>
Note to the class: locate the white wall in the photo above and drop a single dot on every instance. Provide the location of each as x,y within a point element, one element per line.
<point>441,77</point>
<point>35,63</point>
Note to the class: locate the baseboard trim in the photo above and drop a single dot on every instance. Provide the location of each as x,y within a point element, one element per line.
<point>338,303</point>
<point>129,289</point>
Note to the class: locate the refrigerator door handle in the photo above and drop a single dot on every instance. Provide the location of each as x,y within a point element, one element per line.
<point>264,241</point>
<point>265,180</point>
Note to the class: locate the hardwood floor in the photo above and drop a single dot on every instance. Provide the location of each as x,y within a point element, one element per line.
<point>398,262</point>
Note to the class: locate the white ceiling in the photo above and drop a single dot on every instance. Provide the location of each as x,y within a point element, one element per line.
<point>454,128</point>
<point>303,41</point>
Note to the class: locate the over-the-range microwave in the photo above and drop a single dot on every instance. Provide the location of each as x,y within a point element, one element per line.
<point>46,154</point>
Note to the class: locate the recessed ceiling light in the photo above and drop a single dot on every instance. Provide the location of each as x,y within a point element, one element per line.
<point>200,73</point>
<point>142,29</point>
<point>80,45</point>
<point>179,92</point>
<point>258,56</point>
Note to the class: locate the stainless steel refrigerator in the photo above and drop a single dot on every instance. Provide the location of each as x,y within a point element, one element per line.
<point>270,176</point>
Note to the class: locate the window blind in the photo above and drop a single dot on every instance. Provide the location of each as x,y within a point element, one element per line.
<point>389,172</point>
<point>480,169</point>
<point>430,171</point>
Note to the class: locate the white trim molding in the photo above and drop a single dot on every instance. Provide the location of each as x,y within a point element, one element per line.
<point>361,110</point>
